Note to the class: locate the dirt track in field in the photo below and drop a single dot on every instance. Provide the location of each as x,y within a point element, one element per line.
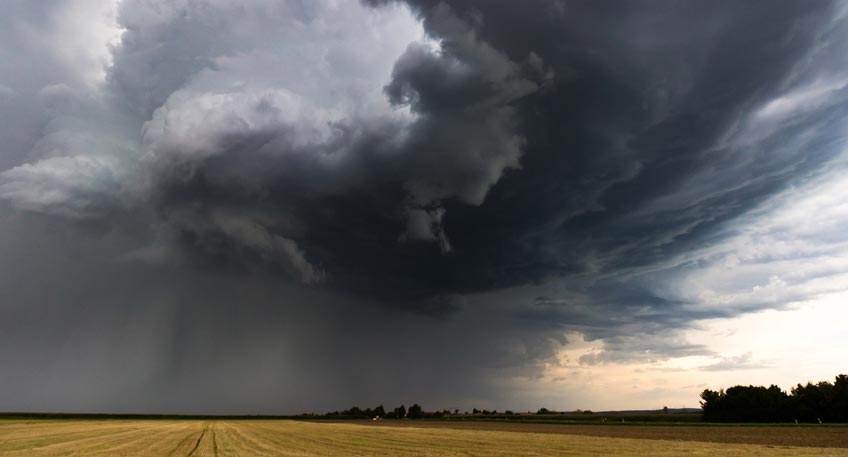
<point>823,436</point>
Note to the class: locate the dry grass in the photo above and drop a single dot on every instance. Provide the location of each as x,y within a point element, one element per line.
<point>773,435</point>
<point>289,438</point>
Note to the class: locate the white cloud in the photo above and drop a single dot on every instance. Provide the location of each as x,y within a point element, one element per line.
<point>293,72</point>
<point>83,33</point>
<point>302,73</point>
<point>741,362</point>
<point>195,126</point>
<point>800,101</point>
<point>781,280</point>
<point>76,187</point>
<point>793,248</point>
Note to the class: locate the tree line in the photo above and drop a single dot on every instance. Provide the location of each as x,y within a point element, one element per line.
<point>417,412</point>
<point>414,412</point>
<point>815,403</point>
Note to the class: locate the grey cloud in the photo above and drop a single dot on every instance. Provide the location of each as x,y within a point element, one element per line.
<point>455,151</point>
<point>31,64</point>
<point>69,186</point>
<point>269,344</point>
<point>464,92</point>
<point>526,170</point>
<point>82,164</point>
<point>7,93</point>
<point>641,348</point>
<point>742,362</point>
<point>426,225</point>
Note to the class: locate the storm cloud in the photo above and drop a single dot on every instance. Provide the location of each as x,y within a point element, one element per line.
<point>309,204</point>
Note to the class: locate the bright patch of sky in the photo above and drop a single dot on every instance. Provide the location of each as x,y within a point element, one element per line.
<point>789,261</point>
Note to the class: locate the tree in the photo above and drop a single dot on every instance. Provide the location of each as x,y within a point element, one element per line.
<point>710,400</point>
<point>415,412</point>
<point>747,404</point>
<point>815,401</point>
<point>354,411</point>
<point>809,403</point>
<point>840,398</point>
<point>400,412</point>
<point>379,411</point>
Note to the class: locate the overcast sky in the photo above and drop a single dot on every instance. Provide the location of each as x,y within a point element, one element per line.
<point>280,206</point>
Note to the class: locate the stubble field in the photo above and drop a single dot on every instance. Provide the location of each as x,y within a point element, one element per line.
<point>396,438</point>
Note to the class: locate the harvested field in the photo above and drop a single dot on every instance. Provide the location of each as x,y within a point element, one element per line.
<point>291,438</point>
<point>811,436</point>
